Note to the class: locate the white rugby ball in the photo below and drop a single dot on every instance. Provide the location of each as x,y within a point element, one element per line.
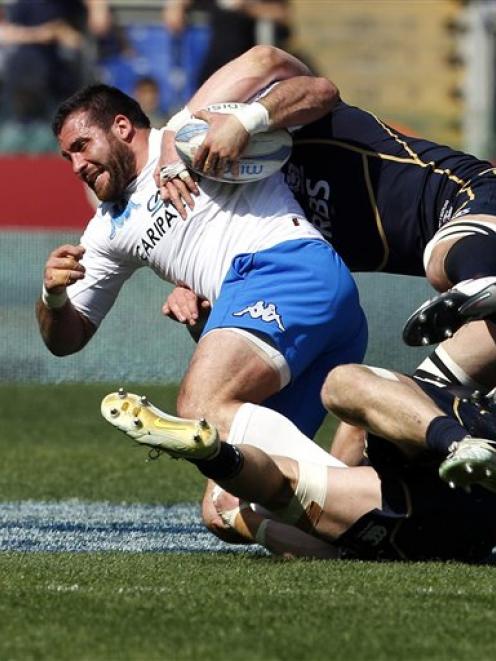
<point>265,153</point>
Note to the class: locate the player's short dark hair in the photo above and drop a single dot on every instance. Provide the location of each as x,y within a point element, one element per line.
<point>103,103</point>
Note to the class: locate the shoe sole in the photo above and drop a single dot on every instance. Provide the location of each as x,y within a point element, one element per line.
<point>474,466</point>
<point>147,425</point>
<point>481,305</point>
<point>436,320</point>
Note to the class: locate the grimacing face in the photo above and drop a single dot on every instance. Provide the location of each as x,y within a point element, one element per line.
<point>99,158</point>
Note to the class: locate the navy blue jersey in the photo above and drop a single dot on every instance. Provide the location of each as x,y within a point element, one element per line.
<point>421,518</point>
<point>379,196</point>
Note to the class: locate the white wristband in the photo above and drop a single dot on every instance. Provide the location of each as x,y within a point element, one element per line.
<point>254,117</point>
<point>178,120</point>
<point>53,301</point>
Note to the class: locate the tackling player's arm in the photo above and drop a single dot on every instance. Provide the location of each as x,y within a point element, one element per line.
<point>300,99</point>
<point>242,78</point>
<point>184,306</point>
<point>63,328</point>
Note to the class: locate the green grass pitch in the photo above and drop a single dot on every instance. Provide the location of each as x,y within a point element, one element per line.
<point>147,606</point>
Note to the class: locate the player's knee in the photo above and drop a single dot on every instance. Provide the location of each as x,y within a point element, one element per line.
<point>306,502</point>
<point>189,406</point>
<point>434,269</point>
<point>194,400</point>
<point>460,251</point>
<point>194,405</point>
<point>340,388</point>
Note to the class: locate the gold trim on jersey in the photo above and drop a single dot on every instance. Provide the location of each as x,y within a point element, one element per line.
<point>456,407</point>
<point>413,159</point>
<point>377,216</point>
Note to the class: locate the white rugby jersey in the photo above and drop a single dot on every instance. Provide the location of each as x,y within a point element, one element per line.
<point>228,220</point>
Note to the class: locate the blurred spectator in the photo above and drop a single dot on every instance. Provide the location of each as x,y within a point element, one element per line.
<point>234,24</point>
<point>46,60</point>
<point>108,35</point>
<point>147,94</point>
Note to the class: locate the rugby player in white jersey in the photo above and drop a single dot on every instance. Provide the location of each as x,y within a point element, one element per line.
<point>285,308</point>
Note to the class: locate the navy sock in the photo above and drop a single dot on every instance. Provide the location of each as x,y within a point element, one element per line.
<point>442,432</point>
<point>226,464</point>
<point>472,256</point>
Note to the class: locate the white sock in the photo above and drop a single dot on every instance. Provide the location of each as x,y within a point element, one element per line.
<point>272,432</point>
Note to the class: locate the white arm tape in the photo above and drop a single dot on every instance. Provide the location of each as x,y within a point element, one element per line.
<point>254,117</point>
<point>178,120</point>
<point>53,301</point>
<point>173,170</point>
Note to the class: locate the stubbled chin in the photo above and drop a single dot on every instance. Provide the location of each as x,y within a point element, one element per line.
<point>101,188</point>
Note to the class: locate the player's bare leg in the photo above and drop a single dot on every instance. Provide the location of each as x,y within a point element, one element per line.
<point>467,359</point>
<point>320,500</point>
<point>227,379</point>
<point>442,269</point>
<point>460,261</point>
<point>348,444</point>
<point>381,401</point>
<point>226,371</point>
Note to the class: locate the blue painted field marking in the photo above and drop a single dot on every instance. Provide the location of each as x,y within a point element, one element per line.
<point>81,526</point>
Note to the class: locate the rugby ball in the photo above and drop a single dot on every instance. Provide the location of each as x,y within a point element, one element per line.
<point>265,153</point>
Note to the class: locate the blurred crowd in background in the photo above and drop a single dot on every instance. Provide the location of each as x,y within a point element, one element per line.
<point>428,66</point>
<point>157,52</point>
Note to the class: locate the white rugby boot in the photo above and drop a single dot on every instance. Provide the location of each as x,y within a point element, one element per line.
<point>148,425</point>
<point>439,317</point>
<point>471,461</point>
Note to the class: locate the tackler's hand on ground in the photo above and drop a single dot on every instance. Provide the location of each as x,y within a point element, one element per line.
<point>173,179</point>
<point>63,268</point>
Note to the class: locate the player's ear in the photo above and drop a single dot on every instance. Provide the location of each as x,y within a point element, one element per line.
<point>122,127</point>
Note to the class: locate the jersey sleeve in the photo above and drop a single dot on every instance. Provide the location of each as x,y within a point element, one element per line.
<point>105,274</point>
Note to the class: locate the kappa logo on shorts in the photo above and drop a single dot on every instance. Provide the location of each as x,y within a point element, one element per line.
<point>264,311</point>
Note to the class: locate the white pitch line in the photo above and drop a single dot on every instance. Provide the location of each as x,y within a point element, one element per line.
<point>84,526</point>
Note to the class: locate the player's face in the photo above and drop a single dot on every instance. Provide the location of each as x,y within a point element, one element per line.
<point>103,161</point>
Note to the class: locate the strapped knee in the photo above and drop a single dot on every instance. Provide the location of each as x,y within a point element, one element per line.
<point>307,504</point>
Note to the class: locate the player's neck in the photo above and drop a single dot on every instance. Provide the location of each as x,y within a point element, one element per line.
<point>141,149</point>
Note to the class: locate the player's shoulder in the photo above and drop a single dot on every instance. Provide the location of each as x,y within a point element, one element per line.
<point>98,230</point>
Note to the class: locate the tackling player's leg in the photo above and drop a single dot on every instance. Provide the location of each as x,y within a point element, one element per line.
<point>418,416</point>
<point>357,510</point>
<point>462,253</point>
<point>302,494</point>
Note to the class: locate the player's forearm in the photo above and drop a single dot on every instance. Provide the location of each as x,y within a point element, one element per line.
<point>64,330</point>
<point>242,78</point>
<point>299,101</point>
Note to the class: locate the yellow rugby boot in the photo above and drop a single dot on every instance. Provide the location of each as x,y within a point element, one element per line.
<point>148,425</point>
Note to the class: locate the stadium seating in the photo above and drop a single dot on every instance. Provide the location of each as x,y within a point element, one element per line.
<point>173,61</point>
